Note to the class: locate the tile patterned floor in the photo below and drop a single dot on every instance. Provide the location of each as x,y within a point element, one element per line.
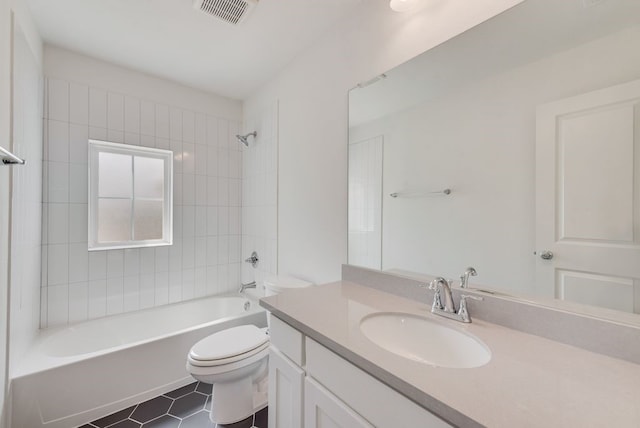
<point>186,407</point>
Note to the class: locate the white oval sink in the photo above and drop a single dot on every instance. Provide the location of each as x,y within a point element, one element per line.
<point>420,339</point>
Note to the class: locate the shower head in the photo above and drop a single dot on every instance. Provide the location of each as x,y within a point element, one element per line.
<point>244,138</point>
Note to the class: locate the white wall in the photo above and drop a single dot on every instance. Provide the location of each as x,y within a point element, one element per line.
<point>313,122</point>
<point>479,139</point>
<point>88,98</point>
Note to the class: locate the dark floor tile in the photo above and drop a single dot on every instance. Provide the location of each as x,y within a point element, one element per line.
<point>242,424</point>
<point>176,393</point>
<point>127,423</point>
<point>262,418</point>
<point>88,426</point>
<point>207,405</point>
<point>188,405</point>
<point>113,418</point>
<point>198,420</point>
<point>151,409</point>
<point>166,421</point>
<point>205,388</point>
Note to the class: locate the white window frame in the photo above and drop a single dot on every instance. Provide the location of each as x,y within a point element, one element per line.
<point>95,148</point>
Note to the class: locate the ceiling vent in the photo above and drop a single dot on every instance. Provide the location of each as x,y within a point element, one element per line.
<point>230,11</point>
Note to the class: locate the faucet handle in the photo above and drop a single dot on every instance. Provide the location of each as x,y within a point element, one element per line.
<point>463,312</point>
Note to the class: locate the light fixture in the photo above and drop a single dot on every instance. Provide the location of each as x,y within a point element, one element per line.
<point>404,5</point>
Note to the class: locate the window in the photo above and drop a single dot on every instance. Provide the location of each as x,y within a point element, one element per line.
<point>130,196</point>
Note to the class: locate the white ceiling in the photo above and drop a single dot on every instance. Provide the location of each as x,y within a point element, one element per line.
<point>170,39</point>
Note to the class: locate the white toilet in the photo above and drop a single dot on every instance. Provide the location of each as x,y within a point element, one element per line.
<point>235,361</point>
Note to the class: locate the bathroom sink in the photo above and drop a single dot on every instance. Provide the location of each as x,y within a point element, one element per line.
<point>420,339</point>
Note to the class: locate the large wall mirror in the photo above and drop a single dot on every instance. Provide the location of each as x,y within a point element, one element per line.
<point>532,120</point>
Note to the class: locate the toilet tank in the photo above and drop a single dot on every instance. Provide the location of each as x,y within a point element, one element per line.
<point>276,284</point>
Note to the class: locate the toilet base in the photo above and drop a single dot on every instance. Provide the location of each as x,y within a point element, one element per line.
<point>231,402</point>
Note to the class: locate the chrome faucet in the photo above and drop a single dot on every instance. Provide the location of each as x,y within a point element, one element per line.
<point>447,308</point>
<point>243,287</point>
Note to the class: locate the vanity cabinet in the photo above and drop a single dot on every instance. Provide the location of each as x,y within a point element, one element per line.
<point>310,383</point>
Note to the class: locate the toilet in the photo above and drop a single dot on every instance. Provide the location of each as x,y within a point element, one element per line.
<point>235,362</point>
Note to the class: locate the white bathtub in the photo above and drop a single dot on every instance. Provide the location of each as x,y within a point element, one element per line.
<point>81,372</point>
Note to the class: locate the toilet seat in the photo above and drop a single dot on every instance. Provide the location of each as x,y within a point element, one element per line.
<point>228,346</point>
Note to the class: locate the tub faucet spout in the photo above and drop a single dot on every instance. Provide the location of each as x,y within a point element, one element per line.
<point>251,284</point>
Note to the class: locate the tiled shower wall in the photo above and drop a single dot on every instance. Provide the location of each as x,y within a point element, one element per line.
<point>205,257</point>
<point>260,193</point>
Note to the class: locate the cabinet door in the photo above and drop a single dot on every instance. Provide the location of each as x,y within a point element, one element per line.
<point>285,391</point>
<point>324,410</point>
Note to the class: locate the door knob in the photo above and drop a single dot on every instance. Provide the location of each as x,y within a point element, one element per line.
<point>546,255</point>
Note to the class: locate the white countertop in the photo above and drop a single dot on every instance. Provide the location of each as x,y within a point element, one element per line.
<point>529,382</point>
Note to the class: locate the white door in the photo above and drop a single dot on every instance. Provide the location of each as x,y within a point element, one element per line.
<point>285,391</point>
<point>324,410</point>
<point>588,198</point>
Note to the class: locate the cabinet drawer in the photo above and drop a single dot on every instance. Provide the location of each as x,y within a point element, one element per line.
<point>364,394</point>
<point>323,409</point>
<point>287,339</point>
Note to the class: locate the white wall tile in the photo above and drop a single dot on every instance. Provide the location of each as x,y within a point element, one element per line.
<point>212,132</point>
<point>177,222</point>
<point>212,161</point>
<point>163,143</point>
<point>147,118</point>
<point>147,290</point>
<point>58,182</point>
<point>200,251</point>
<point>78,262</point>
<point>234,249</point>
<point>212,221</point>
<point>188,189</point>
<point>78,143</point>
<point>98,133</point>
<point>234,192</point>
<point>223,163</point>
<point>132,138</point>
<point>78,183</point>
<point>79,104</point>
<point>162,259</point>
<point>223,221</point>
<point>147,140</point>
<point>212,191</point>
<point>78,301</point>
<point>97,298</point>
<point>223,134</point>
<point>58,98</point>
<point>175,256</point>
<point>57,305</point>
<point>162,288</point>
<point>201,221</point>
<point>115,136</point>
<point>175,286</point>
<point>223,191</point>
<point>115,113</point>
<point>175,124</point>
<point>234,221</point>
<point>212,280</point>
<point>200,282</point>
<point>188,127</point>
<point>97,108</point>
<point>131,300</point>
<point>97,265</point>
<point>177,189</point>
<point>115,295</point>
<point>58,216</point>
<point>78,223</point>
<point>223,278</point>
<point>131,115</point>
<point>201,159</point>
<point>223,250</point>
<point>58,264</point>
<point>162,121</point>
<point>201,190</point>
<point>188,253</point>
<point>147,260</point>
<point>58,141</point>
<point>188,158</point>
<point>44,306</point>
<point>212,251</point>
<point>201,129</point>
<point>115,263</point>
<point>188,284</point>
<point>131,261</point>
<point>188,221</point>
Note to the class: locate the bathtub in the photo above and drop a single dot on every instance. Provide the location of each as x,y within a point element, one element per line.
<point>78,373</point>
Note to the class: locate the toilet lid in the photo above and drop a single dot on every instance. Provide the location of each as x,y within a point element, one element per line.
<point>228,343</point>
